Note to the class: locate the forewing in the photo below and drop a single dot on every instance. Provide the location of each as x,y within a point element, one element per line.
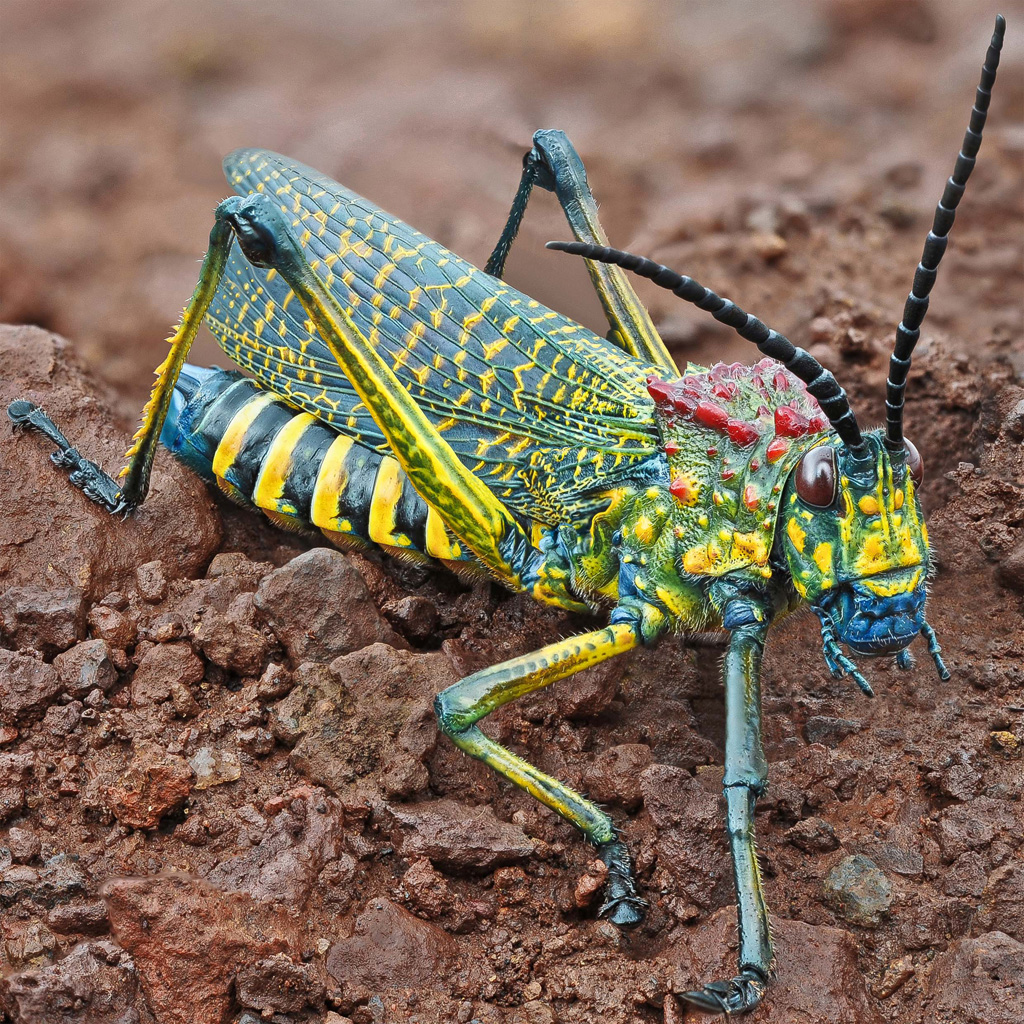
<point>549,414</point>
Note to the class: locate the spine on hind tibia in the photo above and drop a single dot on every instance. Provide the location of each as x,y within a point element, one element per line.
<point>299,471</point>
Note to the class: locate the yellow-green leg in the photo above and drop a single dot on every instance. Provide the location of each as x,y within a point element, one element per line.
<point>461,706</point>
<point>554,164</point>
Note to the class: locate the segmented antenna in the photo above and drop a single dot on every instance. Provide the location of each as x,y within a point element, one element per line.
<point>909,329</point>
<point>820,383</point>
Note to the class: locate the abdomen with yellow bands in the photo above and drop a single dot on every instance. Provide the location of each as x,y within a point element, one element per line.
<point>303,474</point>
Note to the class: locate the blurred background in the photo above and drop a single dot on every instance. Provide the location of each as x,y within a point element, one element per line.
<point>788,154</point>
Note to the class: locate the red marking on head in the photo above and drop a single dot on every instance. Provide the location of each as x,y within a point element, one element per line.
<point>818,424</point>
<point>790,423</point>
<point>659,390</point>
<point>725,389</point>
<point>743,434</point>
<point>685,402</point>
<point>728,474</point>
<point>782,381</point>
<point>776,449</point>
<point>712,452</point>
<point>750,497</point>
<point>671,448</point>
<point>711,415</point>
<point>754,465</point>
<point>681,490</point>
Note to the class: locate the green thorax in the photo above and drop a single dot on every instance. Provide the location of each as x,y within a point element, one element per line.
<point>731,435</point>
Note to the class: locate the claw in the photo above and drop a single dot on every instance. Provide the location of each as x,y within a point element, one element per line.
<point>735,997</point>
<point>905,660</point>
<point>83,474</point>
<point>623,906</point>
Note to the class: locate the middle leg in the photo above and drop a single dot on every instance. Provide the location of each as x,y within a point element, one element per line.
<point>461,706</point>
<point>746,778</point>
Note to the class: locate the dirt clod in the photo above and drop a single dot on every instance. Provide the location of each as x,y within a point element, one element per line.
<point>155,783</point>
<point>312,630</point>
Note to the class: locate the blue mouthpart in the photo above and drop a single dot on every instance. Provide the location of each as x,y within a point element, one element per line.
<point>870,624</point>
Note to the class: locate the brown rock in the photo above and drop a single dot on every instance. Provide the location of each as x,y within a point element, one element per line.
<point>96,982</point>
<point>231,639</point>
<point>112,625</point>
<point>27,688</point>
<point>154,784</point>
<point>370,714</point>
<point>52,533</point>
<point>818,978</point>
<point>590,883</point>
<point>413,616</point>
<point>44,619</point>
<point>614,774</point>
<point>162,668</point>
<point>151,581</point>
<point>426,889</point>
<point>190,941</point>
<point>82,918</point>
<point>1002,906</point>
<point>87,666</point>
<point>290,850</point>
<point>813,835</point>
<point>318,607</point>
<point>275,682</point>
<point>277,984</point>
<point>457,837</point>
<point>390,948</point>
<point>23,844</point>
<point>588,693</point>
<point>978,981</point>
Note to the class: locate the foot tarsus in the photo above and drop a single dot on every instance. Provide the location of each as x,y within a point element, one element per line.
<point>623,905</point>
<point>83,473</point>
<point>734,997</point>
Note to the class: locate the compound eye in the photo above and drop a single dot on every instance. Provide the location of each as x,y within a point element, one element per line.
<point>816,477</point>
<point>915,464</point>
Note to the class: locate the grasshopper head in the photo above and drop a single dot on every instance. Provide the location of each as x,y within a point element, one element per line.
<point>856,544</point>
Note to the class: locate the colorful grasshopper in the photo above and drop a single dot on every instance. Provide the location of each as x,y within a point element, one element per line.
<point>407,400</point>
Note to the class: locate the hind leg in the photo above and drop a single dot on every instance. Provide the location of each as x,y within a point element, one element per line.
<point>553,164</point>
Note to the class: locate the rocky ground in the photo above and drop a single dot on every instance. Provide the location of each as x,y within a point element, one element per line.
<point>222,794</point>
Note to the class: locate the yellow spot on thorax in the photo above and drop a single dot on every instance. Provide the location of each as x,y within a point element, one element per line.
<point>796,535</point>
<point>823,557</point>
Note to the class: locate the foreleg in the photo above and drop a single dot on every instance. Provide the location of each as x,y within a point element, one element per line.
<point>86,475</point>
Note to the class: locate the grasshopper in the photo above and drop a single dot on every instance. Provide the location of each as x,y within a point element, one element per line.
<point>402,399</point>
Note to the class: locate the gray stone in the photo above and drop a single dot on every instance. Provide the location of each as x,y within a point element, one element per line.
<point>859,891</point>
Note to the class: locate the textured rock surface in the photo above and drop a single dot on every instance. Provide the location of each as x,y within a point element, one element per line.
<point>318,607</point>
<point>52,533</point>
<point>978,981</point>
<point>188,942</point>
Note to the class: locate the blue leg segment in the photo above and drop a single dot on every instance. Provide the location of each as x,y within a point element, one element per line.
<point>746,778</point>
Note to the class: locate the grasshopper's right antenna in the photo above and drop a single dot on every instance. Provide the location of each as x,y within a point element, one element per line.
<point>909,329</point>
